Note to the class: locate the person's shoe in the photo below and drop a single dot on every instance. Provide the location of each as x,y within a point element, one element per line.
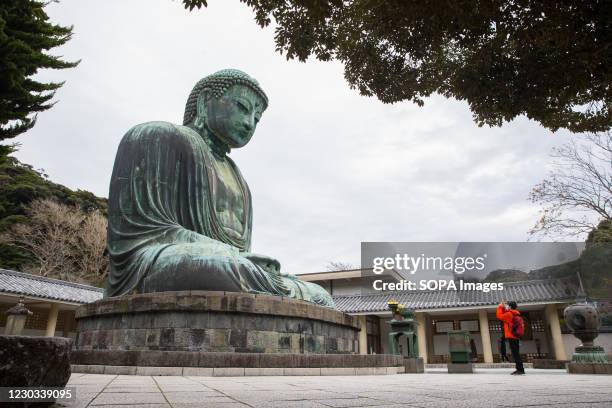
<point>518,373</point>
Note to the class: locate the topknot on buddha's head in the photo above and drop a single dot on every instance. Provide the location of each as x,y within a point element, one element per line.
<point>215,86</point>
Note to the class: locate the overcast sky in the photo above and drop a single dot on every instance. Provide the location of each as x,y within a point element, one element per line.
<point>328,168</point>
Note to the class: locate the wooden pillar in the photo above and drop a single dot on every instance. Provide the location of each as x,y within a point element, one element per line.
<point>429,332</point>
<point>485,336</point>
<point>52,320</point>
<point>552,319</point>
<point>363,335</point>
<point>68,321</point>
<point>422,328</point>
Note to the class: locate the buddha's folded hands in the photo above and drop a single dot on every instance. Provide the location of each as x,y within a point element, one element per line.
<point>265,262</point>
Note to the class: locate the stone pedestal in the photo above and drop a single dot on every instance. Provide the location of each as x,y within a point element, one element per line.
<point>214,322</point>
<point>216,330</point>
<point>414,365</point>
<point>589,354</point>
<point>583,319</point>
<point>460,368</point>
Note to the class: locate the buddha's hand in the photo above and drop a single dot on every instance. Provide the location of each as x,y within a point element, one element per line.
<point>266,263</point>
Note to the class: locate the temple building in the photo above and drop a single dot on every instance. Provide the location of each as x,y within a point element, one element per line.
<point>51,301</point>
<point>541,303</point>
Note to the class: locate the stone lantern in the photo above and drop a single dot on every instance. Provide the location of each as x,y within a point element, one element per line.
<point>583,320</point>
<point>16,318</point>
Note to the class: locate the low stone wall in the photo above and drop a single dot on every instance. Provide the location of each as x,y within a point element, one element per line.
<point>197,321</point>
<point>235,371</point>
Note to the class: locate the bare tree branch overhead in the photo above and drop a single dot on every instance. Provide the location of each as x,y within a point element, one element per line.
<point>577,195</point>
<point>339,266</point>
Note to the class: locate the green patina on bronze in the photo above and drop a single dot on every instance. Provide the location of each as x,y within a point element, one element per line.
<point>180,211</point>
<point>403,323</point>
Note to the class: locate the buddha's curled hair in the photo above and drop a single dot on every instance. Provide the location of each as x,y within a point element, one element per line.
<point>216,85</point>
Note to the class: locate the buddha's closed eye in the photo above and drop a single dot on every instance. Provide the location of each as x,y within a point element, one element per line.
<point>243,106</point>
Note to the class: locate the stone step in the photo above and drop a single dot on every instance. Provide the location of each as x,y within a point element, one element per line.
<point>483,365</point>
<point>232,371</point>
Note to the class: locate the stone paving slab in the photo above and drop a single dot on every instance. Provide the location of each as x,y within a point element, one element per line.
<point>485,388</point>
<point>109,398</point>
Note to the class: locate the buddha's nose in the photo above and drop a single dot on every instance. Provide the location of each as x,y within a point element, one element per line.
<point>248,123</point>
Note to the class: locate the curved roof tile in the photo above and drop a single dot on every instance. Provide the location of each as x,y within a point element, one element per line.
<point>38,286</point>
<point>535,291</point>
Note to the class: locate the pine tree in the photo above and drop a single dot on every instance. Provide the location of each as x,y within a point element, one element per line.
<point>25,36</point>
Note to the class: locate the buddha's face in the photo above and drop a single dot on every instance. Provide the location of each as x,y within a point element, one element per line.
<point>233,117</point>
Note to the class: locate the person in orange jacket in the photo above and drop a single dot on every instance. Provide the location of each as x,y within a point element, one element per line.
<point>505,313</point>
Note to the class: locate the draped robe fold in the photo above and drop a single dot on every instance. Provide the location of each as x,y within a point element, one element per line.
<point>164,233</point>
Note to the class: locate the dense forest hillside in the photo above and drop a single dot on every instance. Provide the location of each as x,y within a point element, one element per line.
<point>20,184</point>
<point>594,266</point>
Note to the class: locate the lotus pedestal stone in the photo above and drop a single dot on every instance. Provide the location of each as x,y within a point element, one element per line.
<point>219,330</point>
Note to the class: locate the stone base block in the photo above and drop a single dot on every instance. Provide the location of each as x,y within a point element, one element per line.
<point>200,371</point>
<point>460,368</point>
<point>414,365</point>
<point>262,371</point>
<point>549,364</point>
<point>373,370</point>
<point>115,370</point>
<point>589,368</point>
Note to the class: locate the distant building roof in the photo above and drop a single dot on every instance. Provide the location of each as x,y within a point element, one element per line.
<point>346,274</point>
<point>26,284</point>
<point>331,275</point>
<point>534,291</point>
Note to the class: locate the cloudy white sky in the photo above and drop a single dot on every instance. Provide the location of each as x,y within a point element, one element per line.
<point>328,168</point>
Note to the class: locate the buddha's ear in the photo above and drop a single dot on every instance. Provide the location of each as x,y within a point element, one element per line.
<point>201,111</point>
<point>202,104</point>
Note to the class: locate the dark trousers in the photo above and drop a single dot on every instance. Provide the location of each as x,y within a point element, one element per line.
<point>514,349</point>
<point>502,349</point>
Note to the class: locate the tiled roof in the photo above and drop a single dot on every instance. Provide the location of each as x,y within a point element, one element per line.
<point>37,286</point>
<point>535,291</point>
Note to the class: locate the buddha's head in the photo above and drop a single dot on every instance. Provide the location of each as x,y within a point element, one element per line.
<point>225,107</point>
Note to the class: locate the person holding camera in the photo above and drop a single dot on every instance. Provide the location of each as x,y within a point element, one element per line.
<point>514,328</point>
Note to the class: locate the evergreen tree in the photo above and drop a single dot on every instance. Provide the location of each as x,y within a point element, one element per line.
<point>25,36</point>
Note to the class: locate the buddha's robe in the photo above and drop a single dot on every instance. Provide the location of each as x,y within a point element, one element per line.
<point>166,231</point>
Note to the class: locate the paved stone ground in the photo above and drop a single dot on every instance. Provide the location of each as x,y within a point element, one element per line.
<point>436,388</point>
